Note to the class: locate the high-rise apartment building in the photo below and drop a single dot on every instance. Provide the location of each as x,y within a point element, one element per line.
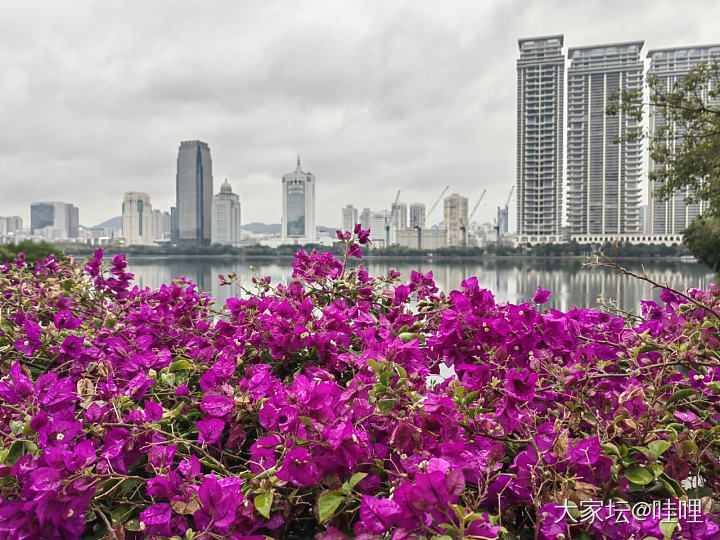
<point>455,218</point>
<point>137,219</point>
<point>382,234</point>
<point>349,218</point>
<point>194,193</point>
<point>417,215</point>
<point>161,225</point>
<point>10,227</point>
<point>540,85</point>
<point>669,67</point>
<point>226,217</point>
<point>603,167</point>
<point>365,218</point>
<point>298,206</point>
<point>54,220</point>
<point>399,213</point>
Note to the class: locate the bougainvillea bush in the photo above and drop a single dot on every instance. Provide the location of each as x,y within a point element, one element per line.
<point>318,409</point>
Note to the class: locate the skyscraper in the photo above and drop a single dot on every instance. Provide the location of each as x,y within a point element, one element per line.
<point>540,83</point>
<point>298,206</point>
<point>137,219</point>
<point>382,234</point>
<point>399,213</point>
<point>10,227</point>
<point>455,217</point>
<point>603,171</point>
<point>349,218</point>
<point>365,218</point>
<point>670,66</point>
<point>417,215</point>
<point>226,217</point>
<point>54,220</point>
<point>161,225</point>
<point>194,192</point>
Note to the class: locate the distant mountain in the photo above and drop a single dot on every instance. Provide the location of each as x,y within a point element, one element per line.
<point>112,223</point>
<point>262,228</point>
<point>274,228</point>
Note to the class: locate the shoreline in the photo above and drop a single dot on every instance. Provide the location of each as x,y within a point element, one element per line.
<point>402,258</point>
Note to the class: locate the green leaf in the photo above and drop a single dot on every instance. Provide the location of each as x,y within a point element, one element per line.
<point>354,479</point>
<point>181,365</point>
<point>263,503</point>
<point>121,513</point>
<point>408,336</point>
<point>667,528</point>
<point>610,448</point>
<point>132,525</point>
<point>680,394</point>
<point>471,397</point>
<point>659,447</point>
<point>639,475</point>
<point>16,450</point>
<point>328,503</point>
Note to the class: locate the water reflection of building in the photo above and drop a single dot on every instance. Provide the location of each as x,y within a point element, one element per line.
<point>509,281</point>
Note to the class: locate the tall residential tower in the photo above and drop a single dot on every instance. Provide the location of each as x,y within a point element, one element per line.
<point>194,193</point>
<point>349,218</point>
<point>540,83</point>
<point>417,215</point>
<point>669,67</point>
<point>604,168</point>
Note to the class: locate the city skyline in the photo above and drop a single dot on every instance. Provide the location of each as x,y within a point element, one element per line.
<point>389,109</point>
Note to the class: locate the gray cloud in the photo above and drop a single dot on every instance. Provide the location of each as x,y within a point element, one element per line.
<point>377,96</point>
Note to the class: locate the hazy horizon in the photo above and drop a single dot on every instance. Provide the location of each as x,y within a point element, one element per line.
<point>375,96</point>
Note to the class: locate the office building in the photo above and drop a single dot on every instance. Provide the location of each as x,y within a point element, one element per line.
<point>349,218</point>
<point>194,193</point>
<point>540,86</point>
<point>226,217</point>
<point>603,168</point>
<point>365,218</point>
<point>455,219</point>
<point>10,225</point>
<point>382,234</point>
<point>161,226</point>
<point>417,215</point>
<point>54,220</point>
<point>399,213</point>
<point>137,219</point>
<point>10,228</point>
<point>502,220</point>
<point>669,67</point>
<point>298,207</point>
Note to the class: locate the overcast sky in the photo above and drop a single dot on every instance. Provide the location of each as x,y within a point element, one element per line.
<point>376,96</point>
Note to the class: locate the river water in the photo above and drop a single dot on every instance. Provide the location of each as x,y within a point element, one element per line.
<point>510,280</point>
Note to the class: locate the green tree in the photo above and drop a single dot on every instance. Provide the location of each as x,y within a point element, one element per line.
<point>33,251</point>
<point>702,238</point>
<point>685,144</point>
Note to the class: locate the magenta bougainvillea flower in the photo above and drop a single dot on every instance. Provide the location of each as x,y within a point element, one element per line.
<point>344,405</point>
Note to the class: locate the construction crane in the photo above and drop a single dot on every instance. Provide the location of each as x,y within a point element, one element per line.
<point>477,204</point>
<point>444,191</point>
<point>507,203</point>
<point>503,215</point>
<point>427,215</point>
<point>463,225</point>
<point>389,221</point>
